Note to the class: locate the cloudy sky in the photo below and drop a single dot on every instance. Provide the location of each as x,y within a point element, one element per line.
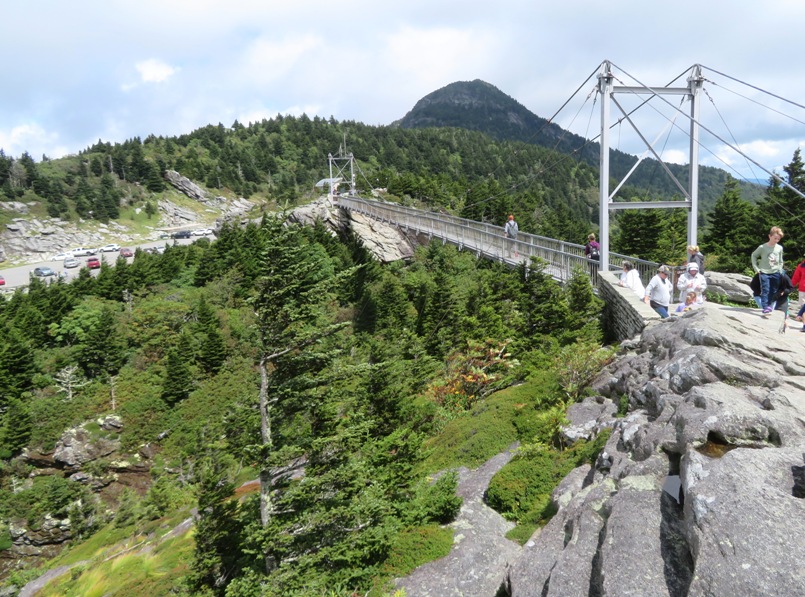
<point>76,72</point>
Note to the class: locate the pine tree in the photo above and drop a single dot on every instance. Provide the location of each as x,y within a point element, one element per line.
<point>17,426</point>
<point>102,350</point>
<point>730,235</point>
<point>216,557</point>
<point>178,381</point>
<point>213,351</point>
<point>292,307</point>
<point>16,364</point>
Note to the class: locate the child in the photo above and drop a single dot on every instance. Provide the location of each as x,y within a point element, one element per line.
<point>690,303</point>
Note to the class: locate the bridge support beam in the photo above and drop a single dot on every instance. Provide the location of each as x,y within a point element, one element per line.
<point>607,91</point>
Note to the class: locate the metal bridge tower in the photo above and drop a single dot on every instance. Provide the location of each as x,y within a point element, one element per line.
<point>340,163</point>
<point>608,90</point>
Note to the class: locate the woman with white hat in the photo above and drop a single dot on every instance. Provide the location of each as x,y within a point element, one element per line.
<point>691,281</point>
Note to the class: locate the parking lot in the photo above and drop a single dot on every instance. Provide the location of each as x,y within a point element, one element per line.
<point>20,275</point>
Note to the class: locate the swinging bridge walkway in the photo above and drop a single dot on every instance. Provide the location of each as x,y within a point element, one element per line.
<point>487,240</point>
<point>624,314</point>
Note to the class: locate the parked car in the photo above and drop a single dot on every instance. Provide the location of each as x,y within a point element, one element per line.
<point>62,256</point>
<point>43,272</point>
<point>126,252</point>
<point>110,248</point>
<point>2,281</point>
<point>71,262</point>
<point>202,232</point>
<point>83,251</point>
<point>93,263</point>
<point>182,234</point>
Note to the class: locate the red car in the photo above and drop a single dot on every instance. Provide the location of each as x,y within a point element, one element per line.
<point>93,263</point>
<point>126,252</point>
<point>2,281</point>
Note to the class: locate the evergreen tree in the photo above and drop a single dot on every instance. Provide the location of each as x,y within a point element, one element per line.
<point>784,207</point>
<point>213,351</point>
<point>16,364</point>
<point>730,236</point>
<point>17,427</point>
<point>292,310</point>
<point>178,381</point>
<point>542,301</point>
<point>216,557</point>
<point>102,351</point>
<point>638,233</point>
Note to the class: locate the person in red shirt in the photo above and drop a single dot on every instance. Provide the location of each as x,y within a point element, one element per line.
<point>798,281</point>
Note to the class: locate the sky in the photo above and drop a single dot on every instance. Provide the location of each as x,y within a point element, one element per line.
<point>78,72</point>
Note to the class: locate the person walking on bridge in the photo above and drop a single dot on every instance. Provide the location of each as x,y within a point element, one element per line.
<point>767,261</point>
<point>510,231</point>
<point>659,291</point>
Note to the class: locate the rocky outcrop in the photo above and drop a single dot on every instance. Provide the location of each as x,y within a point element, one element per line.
<point>476,565</point>
<point>733,287</point>
<point>701,488</point>
<point>186,186</point>
<point>96,443</point>
<point>385,241</point>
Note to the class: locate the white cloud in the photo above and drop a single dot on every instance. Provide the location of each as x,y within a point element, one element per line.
<point>33,139</point>
<point>154,71</point>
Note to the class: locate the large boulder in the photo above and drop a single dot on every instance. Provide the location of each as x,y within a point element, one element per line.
<point>700,490</point>
<point>733,287</point>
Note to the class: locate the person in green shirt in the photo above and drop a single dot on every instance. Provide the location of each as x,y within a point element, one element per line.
<point>767,261</point>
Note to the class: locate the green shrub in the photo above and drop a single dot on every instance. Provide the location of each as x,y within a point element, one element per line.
<point>521,490</point>
<point>435,502</point>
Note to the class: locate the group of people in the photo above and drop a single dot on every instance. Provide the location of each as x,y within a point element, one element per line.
<point>659,292</point>
<point>771,284</point>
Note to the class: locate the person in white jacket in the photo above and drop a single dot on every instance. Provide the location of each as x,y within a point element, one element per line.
<point>630,278</point>
<point>691,281</point>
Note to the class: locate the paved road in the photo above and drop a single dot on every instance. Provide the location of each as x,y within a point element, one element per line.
<point>20,275</point>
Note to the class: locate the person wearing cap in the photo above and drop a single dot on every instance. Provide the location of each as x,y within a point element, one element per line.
<point>659,291</point>
<point>691,281</point>
<point>510,231</point>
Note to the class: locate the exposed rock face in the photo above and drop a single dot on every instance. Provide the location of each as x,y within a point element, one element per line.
<point>701,489</point>
<point>186,186</point>
<point>385,241</point>
<point>734,287</point>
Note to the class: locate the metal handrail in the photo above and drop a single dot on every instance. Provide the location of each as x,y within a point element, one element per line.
<point>489,241</point>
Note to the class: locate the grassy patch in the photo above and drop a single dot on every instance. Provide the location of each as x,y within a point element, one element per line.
<point>490,427</point>
<point>414,547</point>
<point>132,574</point>
<point>521,490</point>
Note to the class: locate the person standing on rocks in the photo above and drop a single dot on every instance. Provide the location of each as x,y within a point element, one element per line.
<point>695,256</point>
<point>767,261</point>
<point>659,291</point>
<point>691,280</point>
<point>510,231</point>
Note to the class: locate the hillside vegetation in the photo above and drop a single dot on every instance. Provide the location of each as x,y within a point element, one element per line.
<point>278,348</point>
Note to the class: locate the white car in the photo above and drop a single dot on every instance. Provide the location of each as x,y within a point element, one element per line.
<point>62,256</point>
<point>82,251</point>
<point>109,248</point>
<point>202,232</point>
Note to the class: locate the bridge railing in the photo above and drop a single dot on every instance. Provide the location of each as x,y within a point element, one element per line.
<point>488,240</point>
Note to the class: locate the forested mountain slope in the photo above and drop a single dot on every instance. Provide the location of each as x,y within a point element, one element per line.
<point>479,106</point>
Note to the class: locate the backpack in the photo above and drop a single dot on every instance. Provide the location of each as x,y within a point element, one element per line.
<point>594,254</point>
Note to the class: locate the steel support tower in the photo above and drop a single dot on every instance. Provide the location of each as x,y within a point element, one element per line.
<point>608,90</point>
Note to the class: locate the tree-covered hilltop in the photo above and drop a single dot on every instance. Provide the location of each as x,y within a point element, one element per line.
<point>479,106</point>
<point>466,172</point>
<point>282,354</point>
